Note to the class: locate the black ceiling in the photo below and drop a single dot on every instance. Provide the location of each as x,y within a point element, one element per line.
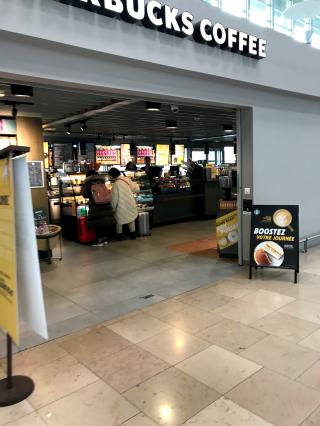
<point>133,120</point>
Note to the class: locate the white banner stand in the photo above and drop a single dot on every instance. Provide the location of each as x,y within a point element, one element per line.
<point>14,389</point>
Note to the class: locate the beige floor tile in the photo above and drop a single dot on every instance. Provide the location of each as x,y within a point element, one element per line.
<point>33,419</point>
<point>286,288</point>
<point>311,377</point>
<point>234,289</point>
<point>282,356</point>
<point>192,320</point>
<point>276,398</point>
<point>93,344</point>
<point>58,379</point>
<point>27,361</point>
<point>242,312</point>
<point>232,335</point>
<point>171,397</point>
<point>207,300</point>
<point>268,299</point>
<point>224,412</point>
<point>174,345</point>
<point>313,420</point>
<point>312,341</point>
<point>128,368</point>
<point>139,327</point>
<point>164,308</point>
<point>139,420</point>
<point>219,369</point>
<point>304,310</point>
<point>15,412</point>
<point>286,326</point>
<point>95,405</point>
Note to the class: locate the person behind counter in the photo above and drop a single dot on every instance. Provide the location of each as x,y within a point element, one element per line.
<point>131,167</point>
<point>100,216</point>
<point>123,202</point>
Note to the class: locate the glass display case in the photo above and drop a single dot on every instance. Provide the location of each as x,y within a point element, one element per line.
<point>166,185</point>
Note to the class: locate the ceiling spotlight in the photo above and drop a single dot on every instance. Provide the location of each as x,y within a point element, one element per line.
<point>174,108</point>
<point>228,128</point>
<point>153,106</point>
<point>171,124</point>
<point>14,111</point>
<point>21,90</point>
<point>69,130</point>
<point>83,126</point>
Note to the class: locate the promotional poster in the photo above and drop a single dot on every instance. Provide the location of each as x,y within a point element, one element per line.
<point>227,230</point>
<point>275,237</point>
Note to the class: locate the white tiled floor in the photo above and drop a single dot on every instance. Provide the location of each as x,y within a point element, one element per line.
<point>231,353</point>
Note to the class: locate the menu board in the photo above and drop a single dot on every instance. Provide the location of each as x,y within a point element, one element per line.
<point>62,152</point>
<point>227,228</point>
<point>126,157</point>
<point>162,155</point>
<point>36,174</point>
<point>8,126</point>
<point>108,155</point>
<point>143,152</point>
<point>275,237</point>
<point>178,157</point>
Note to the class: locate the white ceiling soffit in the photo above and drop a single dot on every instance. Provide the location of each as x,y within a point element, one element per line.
<point>302,10</point>
<point>89,114</point>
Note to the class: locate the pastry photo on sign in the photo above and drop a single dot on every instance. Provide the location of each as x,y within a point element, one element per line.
<point>269,253</point>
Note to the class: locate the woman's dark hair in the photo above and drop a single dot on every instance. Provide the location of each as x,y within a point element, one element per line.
<point>91,173</point>
<point>131,166</point>
<point>114,173</point>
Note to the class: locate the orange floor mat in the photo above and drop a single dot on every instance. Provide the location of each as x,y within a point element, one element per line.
<point>205,247</point>
<point>196,246</point>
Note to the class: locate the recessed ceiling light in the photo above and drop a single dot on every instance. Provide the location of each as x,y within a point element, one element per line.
<point>83,126</point>
<point>2,93</point>
<point>171,124</point>
<point>153,106</point>
<point>228,128</point>
<point>50,129</point>
<point>21,90</point>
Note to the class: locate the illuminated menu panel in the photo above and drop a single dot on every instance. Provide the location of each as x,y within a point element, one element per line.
<point>125,154</point>
<point>8,126</point>
<point>178,157</point>
<point>143,152</point>
<point>162,156</point>
<point>108,155</point>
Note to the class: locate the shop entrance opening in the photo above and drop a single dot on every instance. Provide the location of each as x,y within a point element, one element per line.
<point>183,160</point>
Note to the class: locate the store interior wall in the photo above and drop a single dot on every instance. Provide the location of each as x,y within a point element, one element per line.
<point>286,151</point>
<point>29,133</point>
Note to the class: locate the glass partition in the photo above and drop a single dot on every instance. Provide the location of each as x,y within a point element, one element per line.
<point>269,13</point>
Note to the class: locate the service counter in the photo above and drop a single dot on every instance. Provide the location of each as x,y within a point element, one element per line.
<point>200,203</point>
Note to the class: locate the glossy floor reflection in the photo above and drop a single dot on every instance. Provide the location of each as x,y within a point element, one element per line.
<point>93,284</point>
